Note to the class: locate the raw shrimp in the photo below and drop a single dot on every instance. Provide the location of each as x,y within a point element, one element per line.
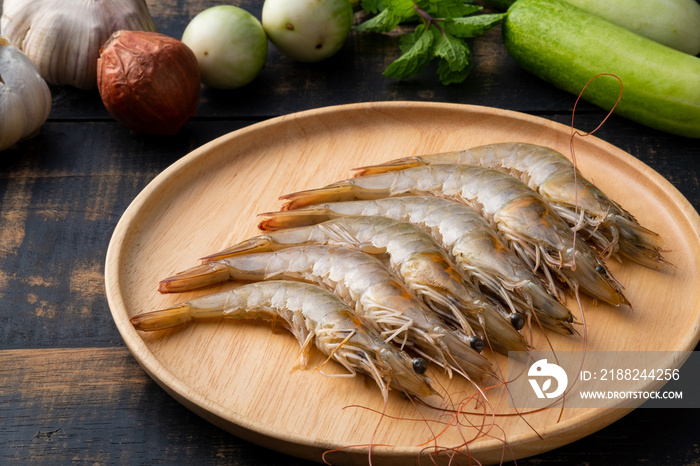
<point>473,244</point>
<point>312,314</point>
<point>362,281</point>
<point>422,263</point>
<point>611,229</point>
<point>542,239</point>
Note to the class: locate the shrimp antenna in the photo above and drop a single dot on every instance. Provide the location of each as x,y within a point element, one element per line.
<point>577,133</point>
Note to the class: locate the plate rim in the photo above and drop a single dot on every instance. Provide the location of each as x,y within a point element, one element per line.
<point>240,425</point>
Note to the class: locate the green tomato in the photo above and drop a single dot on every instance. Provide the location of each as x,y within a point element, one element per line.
<point>230,45</point>
<point>307,30</point>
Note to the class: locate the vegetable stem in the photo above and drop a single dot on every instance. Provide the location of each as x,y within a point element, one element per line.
<point>428,20</point>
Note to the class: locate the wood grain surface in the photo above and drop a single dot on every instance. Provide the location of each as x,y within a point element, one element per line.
<point>70,392</point>
<point>233,374</point>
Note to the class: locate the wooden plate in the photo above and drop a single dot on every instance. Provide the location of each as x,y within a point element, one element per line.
<point>238,375</point>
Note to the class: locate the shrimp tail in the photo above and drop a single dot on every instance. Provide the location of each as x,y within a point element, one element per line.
<point>392,165</point>
<point>640,244</point>
<point>272,221</point>
<point>163,319</point>
<point>256,244</point>
<point>336,192</point>
<point>209,273</point>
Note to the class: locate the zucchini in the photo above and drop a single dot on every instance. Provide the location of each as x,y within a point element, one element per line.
<point>567,46</point>
<point>675,23</point>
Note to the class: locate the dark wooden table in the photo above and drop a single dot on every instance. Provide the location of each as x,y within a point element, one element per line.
<point>70,391</point>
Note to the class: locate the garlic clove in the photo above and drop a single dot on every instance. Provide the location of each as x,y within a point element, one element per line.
<point>63,37</point>
<point>25,99</point>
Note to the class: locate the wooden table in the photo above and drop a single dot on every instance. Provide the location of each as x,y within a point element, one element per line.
<point>70,391</point>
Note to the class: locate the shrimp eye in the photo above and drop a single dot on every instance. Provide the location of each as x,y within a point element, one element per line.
<point>517,320</point>
<point>420,365</point>
<point>477,344</point>
<point>600,269</point>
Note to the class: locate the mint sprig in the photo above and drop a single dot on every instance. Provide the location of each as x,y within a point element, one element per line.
<point>443,26</point>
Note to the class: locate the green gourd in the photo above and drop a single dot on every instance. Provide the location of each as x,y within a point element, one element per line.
<point>567,46</point>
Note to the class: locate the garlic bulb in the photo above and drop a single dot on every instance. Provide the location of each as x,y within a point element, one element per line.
<point>63,37</point>
<point>25,99</point>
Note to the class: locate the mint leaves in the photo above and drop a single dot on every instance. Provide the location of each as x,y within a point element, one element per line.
<point>441,32</point>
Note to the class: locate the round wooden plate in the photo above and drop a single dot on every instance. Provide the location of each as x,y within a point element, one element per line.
<point>238,375</point>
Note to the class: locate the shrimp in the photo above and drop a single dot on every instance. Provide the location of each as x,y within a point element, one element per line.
<point>416,257</point>
<point>475,246</point>
<point>311,314</point>
<point>363,282</point>
<point>541,238</point>
<point>584,206</point>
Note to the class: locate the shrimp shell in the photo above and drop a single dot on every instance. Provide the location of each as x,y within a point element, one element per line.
<point>364,283</point>
<point>475,246</point>
<point>541,238</point>
<point>415,256</point>
<point>611,229</point>
<point>311,314</point>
